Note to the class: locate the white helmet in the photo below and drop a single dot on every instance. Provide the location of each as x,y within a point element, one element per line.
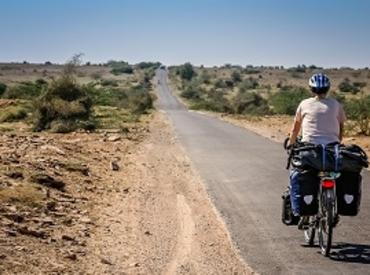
<point>319,83</point>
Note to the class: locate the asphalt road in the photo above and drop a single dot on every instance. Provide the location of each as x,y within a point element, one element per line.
<point>245,175</point>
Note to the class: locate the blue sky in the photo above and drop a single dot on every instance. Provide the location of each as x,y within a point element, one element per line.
<point>210,32</point>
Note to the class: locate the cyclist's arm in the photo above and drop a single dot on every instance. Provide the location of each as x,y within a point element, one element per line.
<point>296,125</point>
<point>341,127</point>
<point>295,131</point>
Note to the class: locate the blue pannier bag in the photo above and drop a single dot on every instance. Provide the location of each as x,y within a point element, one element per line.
<point>304,187</point>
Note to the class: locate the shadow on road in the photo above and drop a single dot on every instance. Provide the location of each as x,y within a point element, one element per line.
<point>351,253</point>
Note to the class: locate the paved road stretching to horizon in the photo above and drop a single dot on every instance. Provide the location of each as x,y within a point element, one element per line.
<point>245,175</point>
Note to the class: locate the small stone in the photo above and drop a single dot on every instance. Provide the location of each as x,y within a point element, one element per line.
<point>67,238</point>
<point>106,261</point>
<point>85,220</point>
<point>51,205</point>
<point>114,138</point>
<point>114,166</point>
<point>71,256</point>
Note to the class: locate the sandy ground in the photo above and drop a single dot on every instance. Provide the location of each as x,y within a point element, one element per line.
<point>131,205</point>
<point>163,221</point>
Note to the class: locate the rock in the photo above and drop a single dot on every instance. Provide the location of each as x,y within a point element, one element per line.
<point>47,221</point>
<point>10,232</point>
<point>72,256</point>
<point>51,205</point>
<point>47,181</point>
<point>14,174</point>
<point>114,165</point>
<point>114,138</point>
<point>67,238</point>
<point>15,217</point>
<point>53,148</point>
<point>32,232</point>
<point>85,220</point>
<point>106,261</point>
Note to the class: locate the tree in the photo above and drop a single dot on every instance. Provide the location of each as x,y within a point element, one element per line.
<point>186,71</point>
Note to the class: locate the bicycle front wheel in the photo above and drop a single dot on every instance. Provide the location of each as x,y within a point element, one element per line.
<point>326,221</point>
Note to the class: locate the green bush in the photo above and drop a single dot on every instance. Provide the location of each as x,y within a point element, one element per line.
<point>249,84</point>
<point>109,82</point>
<point>12,113</point>
<point>213,101</point>
<point>287,99</point>
<point>358,111</point>
<point>148,65</point>
<point>120,67</point>
<point>250,103</point>
<point>347,87</point>
<point>64,103</point>
<point>139,100</point>
<point>191,93</point>
<point>236,76</point>
<point>3,88</point>
<point>26,90</point>
<point>186,71</point>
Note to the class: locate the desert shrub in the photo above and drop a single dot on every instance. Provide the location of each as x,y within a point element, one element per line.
<point>220,84</point>
<point>213,101</point>
<point>250,103</point>
<point>2,88</point>
<point>109,82</point>
<point>229,83</point>
<point>96,75</point>
<point>148,65</point>
<point>191,93</point>
<point>186,71</point>
<point>249,83</point>
<point>26,90</point>
<point>358,111</point>
<point>347,87</point>
<point>120,67</point>
<point>287,99</point>
<point>13,113</point>
<point>236,76</point>
<point>204,78</point>
<point>298,69</point>
<point>139,100</point>
<point>64,106</point>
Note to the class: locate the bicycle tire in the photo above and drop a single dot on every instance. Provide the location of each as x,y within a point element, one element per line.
<point>326,223</point>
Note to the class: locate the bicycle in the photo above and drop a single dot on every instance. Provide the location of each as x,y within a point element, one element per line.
<point>327,217</point>
<point>325,220</point>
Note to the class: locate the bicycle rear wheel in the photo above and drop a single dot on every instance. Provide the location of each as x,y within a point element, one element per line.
<point>326,221</point>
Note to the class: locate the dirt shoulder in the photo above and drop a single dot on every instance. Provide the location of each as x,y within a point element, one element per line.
<point>129,205</point>
<point>163,222</point>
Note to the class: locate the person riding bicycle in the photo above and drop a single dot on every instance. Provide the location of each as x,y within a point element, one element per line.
<point>320,119</point>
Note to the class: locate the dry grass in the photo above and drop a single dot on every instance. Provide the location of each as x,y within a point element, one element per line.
<point>23,193</point>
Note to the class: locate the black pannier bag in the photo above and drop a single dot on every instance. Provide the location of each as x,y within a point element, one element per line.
<point>287,216</point>
<point>304,187</point>
<point>349,193</point>
<point>333,157</point>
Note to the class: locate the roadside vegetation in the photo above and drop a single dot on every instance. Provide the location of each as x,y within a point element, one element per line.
<point>74,96</point>
<point>270,91</point>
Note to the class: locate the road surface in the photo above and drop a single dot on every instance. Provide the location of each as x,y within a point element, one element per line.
<point>245,175</point>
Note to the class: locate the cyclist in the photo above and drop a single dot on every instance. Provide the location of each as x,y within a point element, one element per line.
<point>319,119</point>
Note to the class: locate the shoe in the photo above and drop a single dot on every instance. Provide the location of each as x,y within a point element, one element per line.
<point>304,223</point>
<point>336,220</point>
